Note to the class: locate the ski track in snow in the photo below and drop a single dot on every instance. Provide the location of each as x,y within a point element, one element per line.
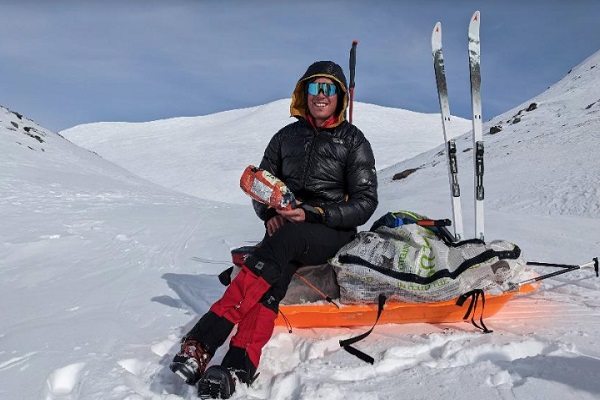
<point>15,361</point>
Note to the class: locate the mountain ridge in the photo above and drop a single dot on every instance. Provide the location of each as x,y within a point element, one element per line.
<point>187,140</point>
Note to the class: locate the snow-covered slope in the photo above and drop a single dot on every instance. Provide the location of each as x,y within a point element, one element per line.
<point>541,161</point>
<point>86,249</point>
<point>558,140</point>
<point>101,272</point>
<point>204,156</point>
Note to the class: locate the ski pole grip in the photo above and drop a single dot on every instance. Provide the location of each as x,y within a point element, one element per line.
<point>434,222</point>
<point>353,62</point>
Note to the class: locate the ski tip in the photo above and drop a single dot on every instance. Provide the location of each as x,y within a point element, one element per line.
<point>474,25</point>
<point>436,38</point>
<point>437,31</point>
<point>354,42</point>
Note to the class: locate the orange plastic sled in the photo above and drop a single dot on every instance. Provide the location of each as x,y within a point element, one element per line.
<point>328,315</point>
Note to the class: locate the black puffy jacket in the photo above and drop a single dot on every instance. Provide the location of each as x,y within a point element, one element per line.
<point>331,169</point>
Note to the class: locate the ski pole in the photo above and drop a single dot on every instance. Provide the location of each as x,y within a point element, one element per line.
<point>352,73</point>
<point>422,222</point>
<point>564,269</point>
<point>319,292</point>
<point>434,222</point>
<point>439,224</point>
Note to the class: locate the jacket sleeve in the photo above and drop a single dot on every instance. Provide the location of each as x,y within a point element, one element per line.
<point>271,162</point>
<point>361,181</point>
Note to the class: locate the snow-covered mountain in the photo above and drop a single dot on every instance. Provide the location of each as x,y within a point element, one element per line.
<point>101,271</point>
<point>204,156</point>
<point>540,160</point>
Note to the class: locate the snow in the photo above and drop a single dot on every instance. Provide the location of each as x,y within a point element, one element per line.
<point>106,261</point>
<point>186,147</point>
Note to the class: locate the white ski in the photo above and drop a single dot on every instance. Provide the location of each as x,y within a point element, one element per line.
<point>475,72</point>
<point>442,89</point>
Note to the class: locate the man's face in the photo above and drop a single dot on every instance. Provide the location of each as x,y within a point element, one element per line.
<point>320,106</point>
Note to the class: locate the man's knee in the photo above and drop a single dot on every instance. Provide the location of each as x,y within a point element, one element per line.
<point>267,270</point>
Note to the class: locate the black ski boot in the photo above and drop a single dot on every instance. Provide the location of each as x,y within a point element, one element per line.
<point>216,383</point>
<point>191,361</point>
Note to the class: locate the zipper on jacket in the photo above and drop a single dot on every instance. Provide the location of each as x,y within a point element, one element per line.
<point>309,158</point>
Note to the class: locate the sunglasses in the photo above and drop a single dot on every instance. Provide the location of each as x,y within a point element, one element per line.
<point>328,89</point>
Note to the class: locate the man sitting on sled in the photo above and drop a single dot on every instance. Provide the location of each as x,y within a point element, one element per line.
<point>328,165</point>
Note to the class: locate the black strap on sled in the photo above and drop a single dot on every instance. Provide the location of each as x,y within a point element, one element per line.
<point>475,295</point>
<point>346,344</point>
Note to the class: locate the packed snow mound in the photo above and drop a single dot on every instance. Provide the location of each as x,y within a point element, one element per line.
<point>186,154</point>
<point>540,157</point>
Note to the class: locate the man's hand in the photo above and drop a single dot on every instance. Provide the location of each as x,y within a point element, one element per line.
<point>275,223</point>
<point>295,215</point>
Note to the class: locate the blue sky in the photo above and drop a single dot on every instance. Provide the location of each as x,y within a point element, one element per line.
<point>63,63</point>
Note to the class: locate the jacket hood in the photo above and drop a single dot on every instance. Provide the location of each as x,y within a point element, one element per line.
<point>327,69</point>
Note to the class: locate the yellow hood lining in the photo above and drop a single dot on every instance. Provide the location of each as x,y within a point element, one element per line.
<point>299,106</point>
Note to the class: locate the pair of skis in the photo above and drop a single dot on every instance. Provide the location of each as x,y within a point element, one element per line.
<point>442,89</point>
<point>440,77</point>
